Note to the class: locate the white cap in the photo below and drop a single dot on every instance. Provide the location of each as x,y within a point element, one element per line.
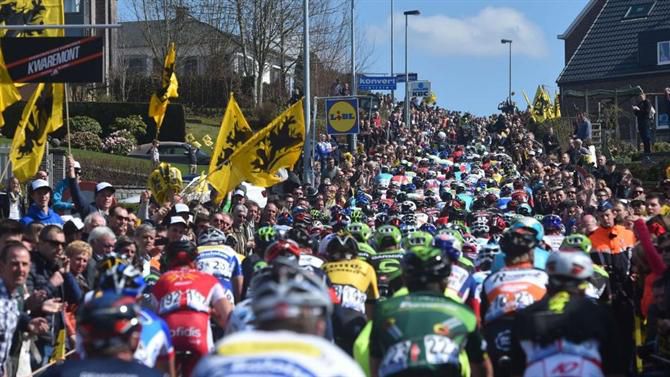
<point>104,185</point>
<point>181,208</point>
<point>77,165</point>
<point>76,222</point>
<point>238,192</point>
<point>177,220</point>
<point>38,184</point>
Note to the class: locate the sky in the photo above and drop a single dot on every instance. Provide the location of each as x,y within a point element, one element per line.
<point>455,44</point>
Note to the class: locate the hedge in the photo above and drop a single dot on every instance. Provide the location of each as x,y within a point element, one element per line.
<point>173,129</point>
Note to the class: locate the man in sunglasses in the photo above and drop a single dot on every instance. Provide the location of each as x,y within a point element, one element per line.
<point>50,278</point>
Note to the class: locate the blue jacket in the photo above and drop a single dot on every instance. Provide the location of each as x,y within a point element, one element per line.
<point>36,215</point>
<point>80,204</point>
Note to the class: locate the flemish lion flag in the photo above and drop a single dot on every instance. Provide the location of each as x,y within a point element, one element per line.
<point>36,12</point>
<point>169,85</point>
<point>277,146</point>
<point>234,132</point>
<point>42,115</point>
<point>557,106</point>
<point>8,92</point>
<point>542,108</point>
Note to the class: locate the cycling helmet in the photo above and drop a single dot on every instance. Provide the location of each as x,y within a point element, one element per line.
<point>524,209</point>
<point>265,236</point>
<point>417,238</point>
<point>178,253</point>
<point>341,246</point>
<point>480,227</point>
<point>406,229</point>
<point>470,250</point>
<point>426,264</point>
<point>358,216</point>
<point>388,236</point>
<point>108,321</point>
<point>449,244</point>
<point>109,261</point>
<point>552,222</point>
<point>408,206</point>
<point>212,236</point>
<point>428,227</point>
<point>285,218</point>
<point>576,242</point>
<point>518,241</point>
<point>284,248</point>
<point>360,231</point>
<point>301,236</point>
<point>285,290</point>
<point>570,265</point>
<point>530,223</point>
<point>442,222</point>
<point>123,279</point>
<point>487,254</point>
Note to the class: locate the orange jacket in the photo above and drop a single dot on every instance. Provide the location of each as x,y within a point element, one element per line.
<point>612,240</point>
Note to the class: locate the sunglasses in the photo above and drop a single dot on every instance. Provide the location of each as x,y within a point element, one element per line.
<point>55,243</point>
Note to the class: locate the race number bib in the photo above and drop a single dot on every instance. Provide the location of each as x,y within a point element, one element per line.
<point>440,349</point>
<point>351,297</point>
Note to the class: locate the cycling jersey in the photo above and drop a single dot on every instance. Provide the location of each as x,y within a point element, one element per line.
<point>310,262</point>
<point>539,259</point>
<point>108,367</point>
<point>387,266</point>
<point>184,298</point>
<point>511,289</point>
<point>554,242</point>
<point>155,341</point>
<point>250,265</point>
<point>461,283</point>
<point>222,262</point>
<point>355,282</point>
<point>564,335</point>
<point>424,332</point>
<point>365,251</point>
<point>277,353</point>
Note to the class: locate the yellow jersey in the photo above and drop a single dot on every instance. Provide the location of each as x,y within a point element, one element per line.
<point>355,282</point>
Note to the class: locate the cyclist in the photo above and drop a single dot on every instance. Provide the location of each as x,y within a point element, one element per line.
<point>264,236</point>
<point>220,260</point>
<point>540,255</point>
<point>109,329</point>
<point>598,285</point>
<point>362,233</point>
<point>291,307</point>
<point>184,298</point>
<point>505,292</point>
<point>424,332</point>
<point>386,261</point>
<point>155,346</point>
<point>554,231</point>
<point>566,333</point>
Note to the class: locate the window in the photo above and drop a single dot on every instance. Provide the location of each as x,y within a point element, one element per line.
<point>639,10</point>
<point>191,66</point>
<point>137,65</point>
<point>663,55</point>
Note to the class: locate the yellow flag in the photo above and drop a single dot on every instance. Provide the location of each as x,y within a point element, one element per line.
<point>277,146</point>
<point>59,348</point>
<point>557,106</point>
<point>542,108</point>
<point>525,97</point>
<point>164,182</point>
<point>8,92</point>
<point>169,85</point>
<point>43,12</point>
<point>42,115</point>
<point>234,132</point>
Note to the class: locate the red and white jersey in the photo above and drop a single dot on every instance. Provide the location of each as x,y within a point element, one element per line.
<point>512,289</point>
<point>186,289</point>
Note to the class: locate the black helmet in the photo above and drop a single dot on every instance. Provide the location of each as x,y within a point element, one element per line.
<point>179,253</point>
<point>423,264</point>
<point>518,241</point>
<point>108,320</point>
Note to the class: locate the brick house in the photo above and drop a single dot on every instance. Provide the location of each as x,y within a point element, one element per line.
<point>616,45</point>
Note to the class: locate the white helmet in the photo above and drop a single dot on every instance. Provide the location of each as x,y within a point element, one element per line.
<point>441,135</point>
<point>570,264</point>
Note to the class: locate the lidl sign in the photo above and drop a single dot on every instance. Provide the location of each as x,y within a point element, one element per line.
<point>342,115</point>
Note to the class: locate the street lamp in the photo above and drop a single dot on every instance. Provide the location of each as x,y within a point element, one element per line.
<point>509,92</point>
<point>407,118</point>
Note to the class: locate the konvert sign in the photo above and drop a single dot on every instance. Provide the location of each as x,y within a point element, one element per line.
<point>376,82</point>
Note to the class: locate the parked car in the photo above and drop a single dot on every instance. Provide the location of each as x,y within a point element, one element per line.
<point>170,151</point>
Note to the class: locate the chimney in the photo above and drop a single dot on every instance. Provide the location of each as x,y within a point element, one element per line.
<point>180,13</point>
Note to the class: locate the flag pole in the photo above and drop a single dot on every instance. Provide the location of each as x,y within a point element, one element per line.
<point>67,119</point>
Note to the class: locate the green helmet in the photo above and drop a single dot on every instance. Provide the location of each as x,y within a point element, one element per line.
<point>360,231</point>
<point>423,264</point>
<point>265,236</point>
<point>455,234</point>
<point>357,215</point>
<point>387,236</point>
<point>418,238</point>
<point>576,241</point>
